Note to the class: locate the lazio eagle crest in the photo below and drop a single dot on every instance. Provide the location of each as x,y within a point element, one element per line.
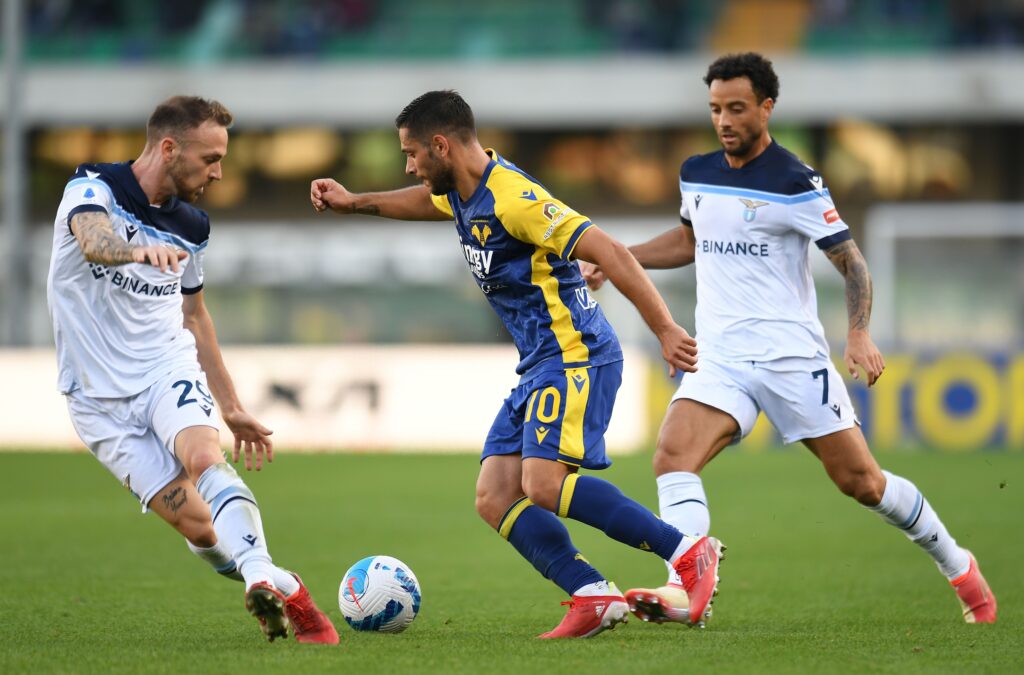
<point>751,211</point>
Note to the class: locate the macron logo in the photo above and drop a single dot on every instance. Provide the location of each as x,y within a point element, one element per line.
<point>91,175</point>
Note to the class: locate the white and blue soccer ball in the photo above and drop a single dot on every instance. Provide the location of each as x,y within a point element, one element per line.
<point>379,593</point>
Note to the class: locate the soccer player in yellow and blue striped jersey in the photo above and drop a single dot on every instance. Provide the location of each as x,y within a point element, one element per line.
<point>521,245</point>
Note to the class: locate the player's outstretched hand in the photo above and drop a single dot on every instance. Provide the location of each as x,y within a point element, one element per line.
<point>161,257</point>
<point>592,274</point>
<point>327,193</point>
<point>679,350</point>
<point>251,437</point>
<point>861,351</point>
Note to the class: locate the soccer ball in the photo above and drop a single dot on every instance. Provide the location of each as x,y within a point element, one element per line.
<point>379,593</point>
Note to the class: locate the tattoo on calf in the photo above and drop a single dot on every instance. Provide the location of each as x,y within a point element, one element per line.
<point>851,264</point>
<point>175,499</point>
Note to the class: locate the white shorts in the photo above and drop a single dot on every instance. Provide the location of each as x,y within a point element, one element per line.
<point>134,437</point>
<point>802,398</point>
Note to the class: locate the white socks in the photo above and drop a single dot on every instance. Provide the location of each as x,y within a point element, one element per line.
<point>239,528</point>
<point>904,506</point>
<point>596,588</point>
<point>682,504</point>
<point>219,559</point>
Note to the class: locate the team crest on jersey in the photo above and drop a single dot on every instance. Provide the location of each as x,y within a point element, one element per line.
<point>481,233</point>
<point>751,211</point>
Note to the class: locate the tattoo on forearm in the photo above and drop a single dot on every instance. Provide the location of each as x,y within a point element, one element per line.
<point>175,499</point>
<point>96,236</point>
<point>368,210</point>
<point>851,264</point>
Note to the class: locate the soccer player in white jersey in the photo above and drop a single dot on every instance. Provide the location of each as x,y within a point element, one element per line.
<point>749,213</point>
<point>139,361</point>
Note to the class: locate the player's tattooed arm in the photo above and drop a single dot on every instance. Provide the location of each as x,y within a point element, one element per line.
<point>847,258</point>
<point>99,244</point>
<point>860,351</point>
<point>95,234</point>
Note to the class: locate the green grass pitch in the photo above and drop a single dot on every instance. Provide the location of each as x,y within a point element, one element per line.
<point>812,582</point>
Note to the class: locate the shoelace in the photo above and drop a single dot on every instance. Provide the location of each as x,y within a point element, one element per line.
<point>306,617</point>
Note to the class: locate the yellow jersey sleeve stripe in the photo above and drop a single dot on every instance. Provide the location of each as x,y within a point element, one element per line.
<point>565,499</point>
<point>577,393</point>
<point>530,214</point>
<point>569,339</point>
<point>442,204</point>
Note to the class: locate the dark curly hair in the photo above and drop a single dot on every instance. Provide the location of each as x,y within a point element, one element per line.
<point>751,65</point>
<point>434,112</point>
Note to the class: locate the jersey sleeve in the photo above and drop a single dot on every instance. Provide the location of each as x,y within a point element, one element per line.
<point>684,208</point>
<point>815,215</point>
<point>442,204</point>
<point>85,194</point>
<point>543,221</point>
<point>192,275</point>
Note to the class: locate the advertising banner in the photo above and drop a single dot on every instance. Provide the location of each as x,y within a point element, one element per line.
<point>373,398</point>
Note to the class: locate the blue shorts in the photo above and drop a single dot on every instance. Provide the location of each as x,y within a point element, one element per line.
<point>561,415</point>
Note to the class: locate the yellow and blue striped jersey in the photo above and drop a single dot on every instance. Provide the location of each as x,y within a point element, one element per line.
<point>518,241</point>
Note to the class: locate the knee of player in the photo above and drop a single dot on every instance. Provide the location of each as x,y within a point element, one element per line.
<point>864,486</point>
<point>198,448</point>
<point>489,507</point>
<point>542,491</point>
<point>199,532</point>
<point>199,460</point>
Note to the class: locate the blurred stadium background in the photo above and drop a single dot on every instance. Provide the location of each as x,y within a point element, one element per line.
<point>360,334</point>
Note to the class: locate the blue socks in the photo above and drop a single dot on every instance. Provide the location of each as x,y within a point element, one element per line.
<point>600,504</point>
<point>543,540</point>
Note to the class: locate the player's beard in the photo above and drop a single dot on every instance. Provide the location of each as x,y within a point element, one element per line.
<point>179,177</point>
<point>442,181</point>
<point>743,149</point>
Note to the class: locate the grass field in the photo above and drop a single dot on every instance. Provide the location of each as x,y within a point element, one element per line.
<point>812,582</point>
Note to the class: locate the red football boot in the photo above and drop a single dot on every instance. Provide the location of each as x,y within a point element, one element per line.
<point>588,615</point>
<point>975,596</point>
<point>267,604</point>
<point>698,569</point>
<point>310,624</point>
<point>660,605</point>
